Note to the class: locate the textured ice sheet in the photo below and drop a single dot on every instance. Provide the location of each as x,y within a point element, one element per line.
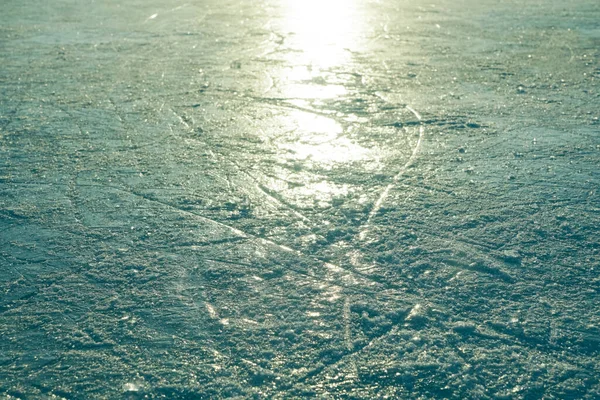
<point>221,199</point>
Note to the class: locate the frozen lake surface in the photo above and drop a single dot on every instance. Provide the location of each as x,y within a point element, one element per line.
<point>289,199</point>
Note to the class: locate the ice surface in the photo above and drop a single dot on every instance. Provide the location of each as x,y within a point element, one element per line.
<point>286,199</point>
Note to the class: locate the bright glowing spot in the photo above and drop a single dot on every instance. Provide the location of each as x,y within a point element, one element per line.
<point>320,36</point>
<point>316,128</point>
<point>323,30</point>
<point>320,194</point>
<point>311,91</point>
<point>320,139</point>
<point>342,150</point>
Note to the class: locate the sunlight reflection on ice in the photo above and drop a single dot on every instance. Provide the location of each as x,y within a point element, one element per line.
<point>319,37</point>
<point>315,128</point>
<point>314,91</point>
<point>320,139</point>
<point>323,30</point>
<point>320,194</point>
<point>342,150</point>
<point>317,42</point>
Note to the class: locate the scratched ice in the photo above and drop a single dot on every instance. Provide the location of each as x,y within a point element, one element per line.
<point>289,199</point>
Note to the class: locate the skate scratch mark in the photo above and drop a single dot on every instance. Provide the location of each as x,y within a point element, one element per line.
<point>286,104</point>
<point>351,275</point>
<point>274,196</point>
<point>231,262</point>
<point>353,351</point>
<point>182,120</point>
<point>348,337</point>
<point>349,347</point>
<point>180,7</point>
<point>347,332</point>
<point>384,195</point>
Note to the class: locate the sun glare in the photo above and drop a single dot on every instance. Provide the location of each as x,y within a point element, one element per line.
<point>320,36</point>
<point>322,30</point>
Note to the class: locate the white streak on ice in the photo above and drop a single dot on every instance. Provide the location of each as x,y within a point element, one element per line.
<point>384,195</point>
